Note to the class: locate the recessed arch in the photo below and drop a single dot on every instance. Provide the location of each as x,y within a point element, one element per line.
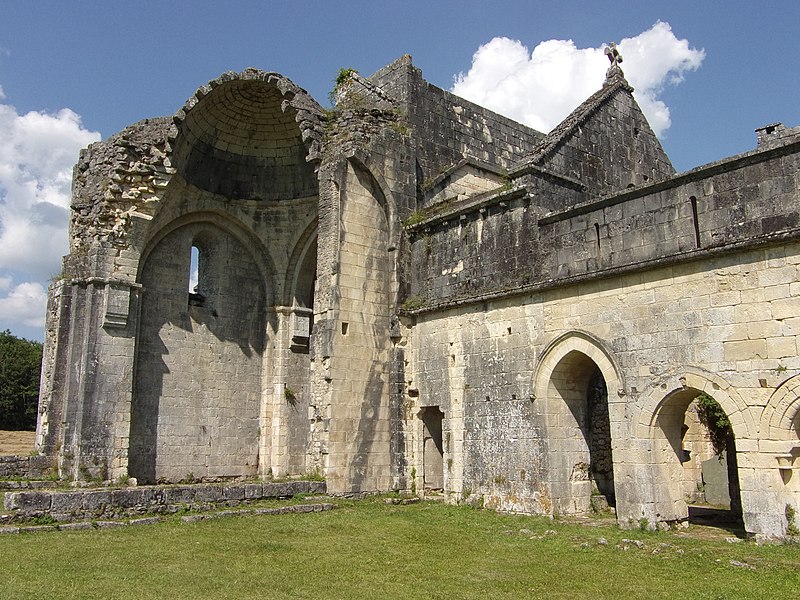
<point>363,162</point>
<point>224,222</point>
<point>780,420</point>
<point>301,272</point>
<point>573,384</point>
<point>251,135</point>
<point>659,393</point>
<point>198,373</point>
<point>585,343</point>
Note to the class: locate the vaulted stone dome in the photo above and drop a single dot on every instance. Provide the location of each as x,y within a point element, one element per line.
<point>249,135</point>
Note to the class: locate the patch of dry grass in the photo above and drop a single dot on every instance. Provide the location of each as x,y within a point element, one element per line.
<point>16,443</point>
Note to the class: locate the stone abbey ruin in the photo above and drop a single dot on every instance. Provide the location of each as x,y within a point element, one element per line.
<point>411,292</point>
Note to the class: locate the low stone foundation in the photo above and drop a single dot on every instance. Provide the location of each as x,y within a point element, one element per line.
<point>28,467</point>
<point>81,505</point>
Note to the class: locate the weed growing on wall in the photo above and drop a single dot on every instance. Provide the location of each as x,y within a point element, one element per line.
<point>714,418</point>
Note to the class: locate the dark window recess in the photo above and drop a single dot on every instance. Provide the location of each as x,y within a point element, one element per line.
<point>695,222</point>
<point>597,237</point>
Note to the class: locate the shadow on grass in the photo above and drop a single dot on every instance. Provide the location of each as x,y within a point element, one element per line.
<point>719,518</point>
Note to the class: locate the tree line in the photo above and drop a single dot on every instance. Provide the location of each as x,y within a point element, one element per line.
<point>20,367</point>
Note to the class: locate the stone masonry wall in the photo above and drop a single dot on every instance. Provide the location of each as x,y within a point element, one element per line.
<point>27,467</point>
<point>450,128</point>
<point>66,506</point>
<point>359,432</point>
<point>606,144</point>
<point>733,317</point>
<point>197,395</point>
<point>489,250</point>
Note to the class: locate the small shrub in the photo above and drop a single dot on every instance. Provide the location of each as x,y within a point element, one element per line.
<point>415,218</point>
<point>505,182</point>
<point>715,419</point>
<point>315,475</point>
<point>43,520</point>
<point>791,525</point>
<point>413,303</point>
<point>644,524</point>
<point>413,481</point>
<point>400,127</point>
<point>341,78</point>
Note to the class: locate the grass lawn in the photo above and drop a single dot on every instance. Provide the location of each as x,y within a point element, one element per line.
<point>369,549</point>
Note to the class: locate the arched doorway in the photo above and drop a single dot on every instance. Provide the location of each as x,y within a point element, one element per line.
<point>580,460</point>
<point>432,448</point>
<point>779,511</point>
<point>696,475</point>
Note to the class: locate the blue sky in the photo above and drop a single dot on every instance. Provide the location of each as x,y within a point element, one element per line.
<point>112,64</point>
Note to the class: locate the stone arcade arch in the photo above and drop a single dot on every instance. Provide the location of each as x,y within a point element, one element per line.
<point>580,433</point>
<point>661,422</point>
<point>198,372</point>
<point>778,473</point>
<point>291,411</point>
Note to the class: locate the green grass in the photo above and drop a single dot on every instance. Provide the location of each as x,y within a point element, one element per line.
<point>372,550</point>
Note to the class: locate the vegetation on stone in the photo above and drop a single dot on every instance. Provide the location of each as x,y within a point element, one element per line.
<point>718,423</point>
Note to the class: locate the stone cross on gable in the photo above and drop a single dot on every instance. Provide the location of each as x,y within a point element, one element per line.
<point>613,55</point>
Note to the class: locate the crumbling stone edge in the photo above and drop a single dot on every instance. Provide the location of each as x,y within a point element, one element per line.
<point>106,508</point>
<point>242,512</point>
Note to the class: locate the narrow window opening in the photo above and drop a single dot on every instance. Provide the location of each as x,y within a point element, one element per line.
<point>695,222</point>
<point>597,237</point>
<point>345,326</point>
<point>193,270</point>
<point>195,297</point>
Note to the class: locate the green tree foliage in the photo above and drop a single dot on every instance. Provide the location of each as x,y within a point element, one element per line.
<point>20,366</point>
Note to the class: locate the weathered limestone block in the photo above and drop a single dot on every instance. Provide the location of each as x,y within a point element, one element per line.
<point>28,502</point>
<point>97,501</point>
<point>68,502</point>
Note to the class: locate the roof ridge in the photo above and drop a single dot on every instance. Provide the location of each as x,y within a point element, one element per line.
<point>615,81</point>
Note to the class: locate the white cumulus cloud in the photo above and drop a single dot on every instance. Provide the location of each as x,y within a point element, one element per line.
<point>540,88</point>
<point>37,152</point>
<point>25,304</point>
